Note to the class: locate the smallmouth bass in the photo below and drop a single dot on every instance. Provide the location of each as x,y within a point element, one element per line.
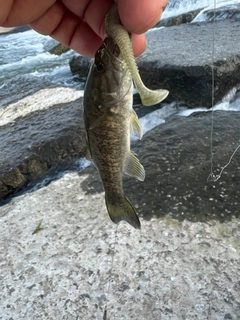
<point>109,117</point>
<point>109,122</point>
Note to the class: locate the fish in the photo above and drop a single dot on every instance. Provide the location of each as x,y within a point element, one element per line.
<point>115,30</point>
<point>109,121</point>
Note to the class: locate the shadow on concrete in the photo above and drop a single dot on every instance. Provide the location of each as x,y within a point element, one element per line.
<point>176,157</point>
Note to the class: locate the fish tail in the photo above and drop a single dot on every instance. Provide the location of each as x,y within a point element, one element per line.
<point>120,209</point>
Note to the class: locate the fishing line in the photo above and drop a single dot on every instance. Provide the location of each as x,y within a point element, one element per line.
<point>223,168</point>
<point>110,276</point>
<point>211,175</point>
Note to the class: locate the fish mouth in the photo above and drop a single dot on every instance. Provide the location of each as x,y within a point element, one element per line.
<point>111,47</point>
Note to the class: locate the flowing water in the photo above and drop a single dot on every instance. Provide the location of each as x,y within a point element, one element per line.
<point>62,272</point>
<point>26,65</point>
<point>176,7</point>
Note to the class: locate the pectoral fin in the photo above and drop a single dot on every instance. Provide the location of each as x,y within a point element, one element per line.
<point>133,167</point>
<point>135,126</point>
<point>88,155</point>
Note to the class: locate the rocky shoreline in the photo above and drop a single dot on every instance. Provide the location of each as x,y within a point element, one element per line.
<point>48,138</point>
<point>176,158</point>
<point>13,30</point>
<point>58,242</point>
<point>180,58</point>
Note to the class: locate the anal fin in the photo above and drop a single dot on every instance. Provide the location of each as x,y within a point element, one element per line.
<point>134,168</point>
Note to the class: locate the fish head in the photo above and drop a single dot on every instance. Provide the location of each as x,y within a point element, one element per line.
<point>108,61</point>
<point>109,77</point>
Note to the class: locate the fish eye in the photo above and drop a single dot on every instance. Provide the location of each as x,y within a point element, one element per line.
<point>100,67</point>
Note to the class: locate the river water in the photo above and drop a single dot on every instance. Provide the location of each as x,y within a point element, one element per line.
<point>66,269</point>
<point>27,66</point>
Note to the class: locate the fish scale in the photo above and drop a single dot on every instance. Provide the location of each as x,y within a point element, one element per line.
<point>109,117</point>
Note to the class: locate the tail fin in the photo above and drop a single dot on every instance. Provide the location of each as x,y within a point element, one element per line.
<point>120,208</point>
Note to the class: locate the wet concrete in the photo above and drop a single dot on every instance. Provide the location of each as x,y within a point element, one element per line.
<point>186,17</point>
<point>39,144</point>
<point>180,58</point>
<point>176,157</point>
<point>61,258</point>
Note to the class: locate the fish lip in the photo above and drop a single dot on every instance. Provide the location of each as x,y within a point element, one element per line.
<point>111,47</point>
<point>110,44</point>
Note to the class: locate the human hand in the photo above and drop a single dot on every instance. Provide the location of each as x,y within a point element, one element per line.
<point>79,24</point>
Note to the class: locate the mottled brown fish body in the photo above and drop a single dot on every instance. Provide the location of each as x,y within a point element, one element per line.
<point>109,117</point>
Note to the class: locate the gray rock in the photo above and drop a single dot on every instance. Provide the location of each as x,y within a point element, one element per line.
<point>40,143</point>
<point>179,59</point>
<point>176,157</point>
<point>26,87</point>
<point>59,49</point>
<point>231,11</point>
<point>79,263</point>
<point>36,144</point>
<point>14,30</point>
<point>186,17</point>
<point>80,65</point>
